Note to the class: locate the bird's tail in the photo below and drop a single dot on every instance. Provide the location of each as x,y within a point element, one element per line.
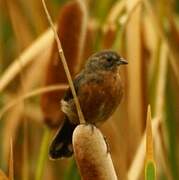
<point>61,145</point>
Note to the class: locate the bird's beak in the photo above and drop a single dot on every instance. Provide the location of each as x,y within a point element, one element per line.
<point>122,62</point>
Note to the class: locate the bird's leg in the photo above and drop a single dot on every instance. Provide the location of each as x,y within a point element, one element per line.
<point>107,144</point>
<point>92,126</point>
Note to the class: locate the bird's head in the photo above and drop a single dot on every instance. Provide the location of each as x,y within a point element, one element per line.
<point>106,60</point>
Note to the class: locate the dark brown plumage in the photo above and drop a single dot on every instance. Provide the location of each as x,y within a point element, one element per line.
<point>99,90</point>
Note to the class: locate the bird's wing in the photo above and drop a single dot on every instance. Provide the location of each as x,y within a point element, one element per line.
<point>76,82</point>
<point>67,103</point>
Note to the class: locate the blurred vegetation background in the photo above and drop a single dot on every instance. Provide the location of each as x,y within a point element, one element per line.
<point>32,82</point>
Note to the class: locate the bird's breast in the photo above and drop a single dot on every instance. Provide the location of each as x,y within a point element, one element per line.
<point>100,97</point>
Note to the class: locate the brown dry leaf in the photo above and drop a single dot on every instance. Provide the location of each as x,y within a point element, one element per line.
<point>92,28</point>
<point>109,36</point>
<point>11,126</point>
<point>71,31</point>
<point>173,38</point>
<point>136,84</point>
<point>162,77</point>
<point>110,26</point>
<point>149,137</point>
<point>35,15</point>
<point>19,24</point>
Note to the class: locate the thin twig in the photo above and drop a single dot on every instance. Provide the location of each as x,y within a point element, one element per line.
<point>61,53</point>
<point>11,161</point>
<point>31,94</point>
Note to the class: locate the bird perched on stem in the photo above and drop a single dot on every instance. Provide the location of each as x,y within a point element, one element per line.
<point>99,90</point>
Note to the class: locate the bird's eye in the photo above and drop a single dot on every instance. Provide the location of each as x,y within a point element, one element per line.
<point>109,59</point>
<point>109,62</point>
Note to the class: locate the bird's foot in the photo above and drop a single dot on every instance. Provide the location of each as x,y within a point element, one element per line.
<point>92,126</point>
<point>107,144</point>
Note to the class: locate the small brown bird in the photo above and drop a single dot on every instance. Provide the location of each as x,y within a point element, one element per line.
<point>99,90</point>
